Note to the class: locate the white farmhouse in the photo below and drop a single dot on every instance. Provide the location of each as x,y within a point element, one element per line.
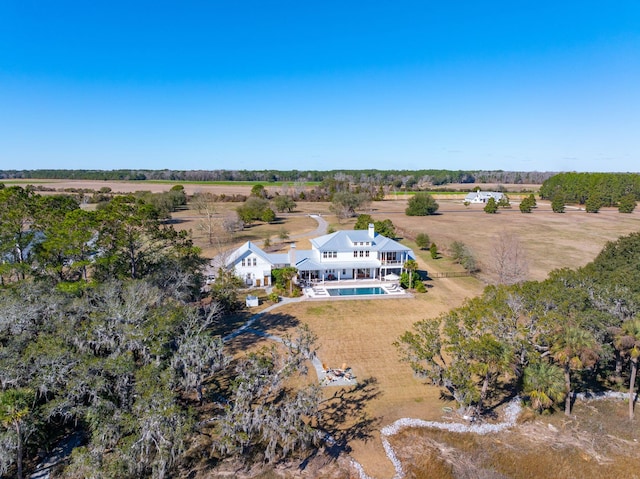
<point>483,196</point>
<point>348,254</point>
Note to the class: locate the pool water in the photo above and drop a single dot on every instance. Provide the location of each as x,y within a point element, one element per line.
<point>355,291</point>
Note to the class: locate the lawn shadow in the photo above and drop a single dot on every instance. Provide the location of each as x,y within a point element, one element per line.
<point>257,334</point>
<point>345,419</point>
<point>276,323</point>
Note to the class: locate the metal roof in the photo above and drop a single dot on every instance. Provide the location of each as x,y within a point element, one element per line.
<point>345,241</point>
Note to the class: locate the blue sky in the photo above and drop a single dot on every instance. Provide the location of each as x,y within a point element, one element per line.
<point>300,84</point>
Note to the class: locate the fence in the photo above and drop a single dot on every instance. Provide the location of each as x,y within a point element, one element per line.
<point>450,274</point>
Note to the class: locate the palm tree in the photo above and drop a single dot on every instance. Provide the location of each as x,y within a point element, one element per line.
<point>491,358</point>
<point>544,383</point>
<point>574,349</point>
<point>411,265</point>
<point>288,274</point>
<point>627,342</point>
<point>14,412</point>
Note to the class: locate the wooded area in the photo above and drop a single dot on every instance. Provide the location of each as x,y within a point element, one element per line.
<point>578,330</point>
<point>398,178</point>
<point>106,333</point>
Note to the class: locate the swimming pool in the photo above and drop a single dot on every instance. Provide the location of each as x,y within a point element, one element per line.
<point>355,291</point>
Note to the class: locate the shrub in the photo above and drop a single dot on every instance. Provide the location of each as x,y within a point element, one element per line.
<point>491,207</point>
<point>421,204</point>
<point>627,204</point>
<point>423,240</point>
<point>274,297</point>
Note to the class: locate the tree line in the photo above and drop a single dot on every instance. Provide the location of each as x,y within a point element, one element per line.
<point>409,179</point>
<point>599,189</point>
<point>579,330</point>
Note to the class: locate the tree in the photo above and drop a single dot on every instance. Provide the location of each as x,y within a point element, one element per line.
<point>627,342</point>
<point>557,203</point>
<point>254,208</point>
<point>284,203</point>
<point>503,202</point>
<point>544,384</point>
<point>258,191</point>
<point>532,200</point>
<point>15,413</point>
<point>421,204</point>
<point>433,250</point>
<point>283,234</point>
<point>65,252</point>
<point>509,259</point>
<point>363,221</point>
<point>345,203</point>
<point>573,348</point>
<point>287,275</point>
<point>490,358</point>
<point>593,204</point>
<point>526,205</point>
<point>384,227</point>
<point>266,414</point>
<point>410,266</point>
<point>491,207</point>
<point>134,243</point>
<point>17,209</point>
<point>268,216</point>
<point>627,204</point>
<point>205,205</point>
<point>198,354</point>
<point>225,291</point>
<point>423,241</point>
<point>462,255</point>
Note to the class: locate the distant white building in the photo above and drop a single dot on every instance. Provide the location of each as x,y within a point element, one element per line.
<point>348,254</point>
<point>483,196</point>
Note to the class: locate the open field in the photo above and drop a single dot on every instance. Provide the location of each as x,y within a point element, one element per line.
<point>228,188</point>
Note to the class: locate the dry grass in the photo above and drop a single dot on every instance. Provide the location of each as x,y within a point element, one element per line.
<point>598,442</point>
<point>361,333</point>
<point>550,240</point>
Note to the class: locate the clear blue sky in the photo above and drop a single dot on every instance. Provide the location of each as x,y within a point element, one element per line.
<point>302,84</point>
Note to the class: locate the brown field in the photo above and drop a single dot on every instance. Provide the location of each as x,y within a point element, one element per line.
<point>361,333</point>
<point>131,186</point>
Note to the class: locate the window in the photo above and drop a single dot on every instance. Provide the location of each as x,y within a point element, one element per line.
<point>335,254</point>
<point>366,253</point>
<point>355,254</point>
<point>361,254</point>
<point>243,263</point>
<point>325,254</point>
<point>255,261</point>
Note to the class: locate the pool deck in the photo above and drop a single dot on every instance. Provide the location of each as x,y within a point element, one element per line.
<point>391,288</point>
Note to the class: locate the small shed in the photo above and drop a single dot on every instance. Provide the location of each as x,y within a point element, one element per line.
<point>252,301</point>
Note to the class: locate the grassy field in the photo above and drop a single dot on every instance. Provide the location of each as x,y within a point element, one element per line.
<point>361,333</point>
